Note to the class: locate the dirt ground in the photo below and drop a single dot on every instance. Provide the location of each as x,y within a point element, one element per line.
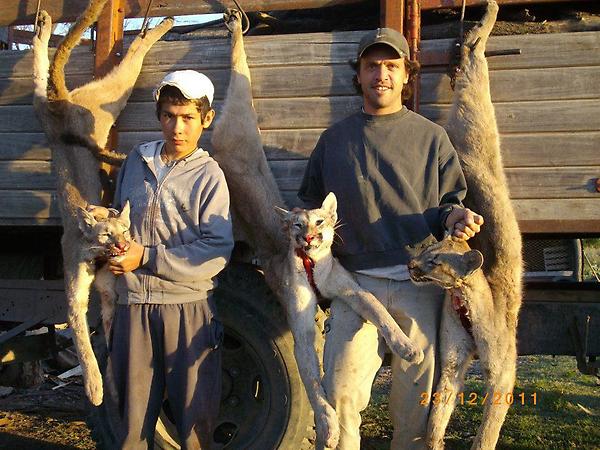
<point>45,419</point>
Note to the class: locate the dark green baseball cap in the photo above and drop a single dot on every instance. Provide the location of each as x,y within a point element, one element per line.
<point>387,36</point>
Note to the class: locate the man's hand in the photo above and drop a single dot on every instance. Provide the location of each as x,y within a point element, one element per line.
<point>131,260</point>
<point>463,223</point>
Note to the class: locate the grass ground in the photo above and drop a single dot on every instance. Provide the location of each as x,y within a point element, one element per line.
<point>591,269</point>
<point>566,413</point>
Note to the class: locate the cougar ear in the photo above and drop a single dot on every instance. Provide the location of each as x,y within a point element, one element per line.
<point>283,213</point>
<point>330,205</point>
<point>473,260</point>
<point>420,247</point>
<point>85,220</point>
<point>412,251</point>
<point>124,214</point>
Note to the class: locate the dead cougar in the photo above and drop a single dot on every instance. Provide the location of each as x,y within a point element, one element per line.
<point>473,130</point>
<point>77,124</point>
<point>105,234</point>
<point>254,194</point>
<point>472,323</point>
<point>316,272</point>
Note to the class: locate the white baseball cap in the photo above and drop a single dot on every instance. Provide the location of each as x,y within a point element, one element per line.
<point>192,84</point>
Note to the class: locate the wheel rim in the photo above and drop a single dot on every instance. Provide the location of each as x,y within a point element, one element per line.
<point>253,379</point>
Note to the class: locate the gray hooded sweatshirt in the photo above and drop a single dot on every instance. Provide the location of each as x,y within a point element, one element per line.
<point>183,222</point>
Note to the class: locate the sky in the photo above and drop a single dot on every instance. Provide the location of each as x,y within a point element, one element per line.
<point>132,24</point>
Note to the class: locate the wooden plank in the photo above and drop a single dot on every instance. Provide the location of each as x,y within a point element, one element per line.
<point>572,215</point>
<point>19,118</point>
<point>524,183</point>
<point>556,182</point>
<point>19,64</point>
<point>285,113</point>
<point>30,206</point>
<point>436,4</point>
<point>13,12</point>
<point>19,91</point>
<point>269,82</point>
<point>33,175</point>
<point>278,144</point>
<point>535,216</point>
<point>519,150</point>
<point>565,83</point>
<point>24,146</point>
<point>537,50</point>
<point>548,116</point>
<point>551,149</point>
<point>26,37</point>
<point>336,80</point>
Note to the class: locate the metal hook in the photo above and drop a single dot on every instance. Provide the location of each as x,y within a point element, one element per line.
<point>37,18</point>
<point>146,21</point>
<point>244,18</point>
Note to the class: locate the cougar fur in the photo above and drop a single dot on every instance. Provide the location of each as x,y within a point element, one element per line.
<point>473,130</point>
<point>77,124</point>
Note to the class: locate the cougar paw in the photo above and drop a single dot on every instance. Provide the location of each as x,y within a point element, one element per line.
<point>402,347</point>
<point>168,22</point>
<point>328,428</point>
<point>44,26</point>
<point>93,391</point>
<point>232,18</point>
<point>415,357</point>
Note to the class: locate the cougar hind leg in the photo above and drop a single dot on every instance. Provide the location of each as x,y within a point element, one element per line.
<point>499,371</point>
<point>79,276</point>
<point>301,307</point>
<point>456,352</point>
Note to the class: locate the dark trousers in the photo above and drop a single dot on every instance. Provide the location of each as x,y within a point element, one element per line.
<point>172,348</point>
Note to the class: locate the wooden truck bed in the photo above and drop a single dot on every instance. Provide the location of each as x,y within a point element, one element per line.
<point>546,98</point>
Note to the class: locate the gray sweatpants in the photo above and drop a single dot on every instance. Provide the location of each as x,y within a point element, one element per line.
<point>173,348</point>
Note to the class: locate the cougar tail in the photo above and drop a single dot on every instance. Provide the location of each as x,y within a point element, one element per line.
<point>57,88</point>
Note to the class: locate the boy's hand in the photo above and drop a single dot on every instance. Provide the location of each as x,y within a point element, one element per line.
<point>463,223</point>
<point>131,260</point>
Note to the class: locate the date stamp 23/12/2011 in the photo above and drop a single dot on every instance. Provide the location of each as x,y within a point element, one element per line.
<point>475,398</point>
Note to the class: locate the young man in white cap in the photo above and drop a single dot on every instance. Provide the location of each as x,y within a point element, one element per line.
<point>165,336</point>
<point>397,179</point>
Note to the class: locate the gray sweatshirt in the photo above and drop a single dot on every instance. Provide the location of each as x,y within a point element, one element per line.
<point>396,178</point>
<point>183,222</point>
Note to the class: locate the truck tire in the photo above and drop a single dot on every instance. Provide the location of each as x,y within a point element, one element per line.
<point>263,404</point>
